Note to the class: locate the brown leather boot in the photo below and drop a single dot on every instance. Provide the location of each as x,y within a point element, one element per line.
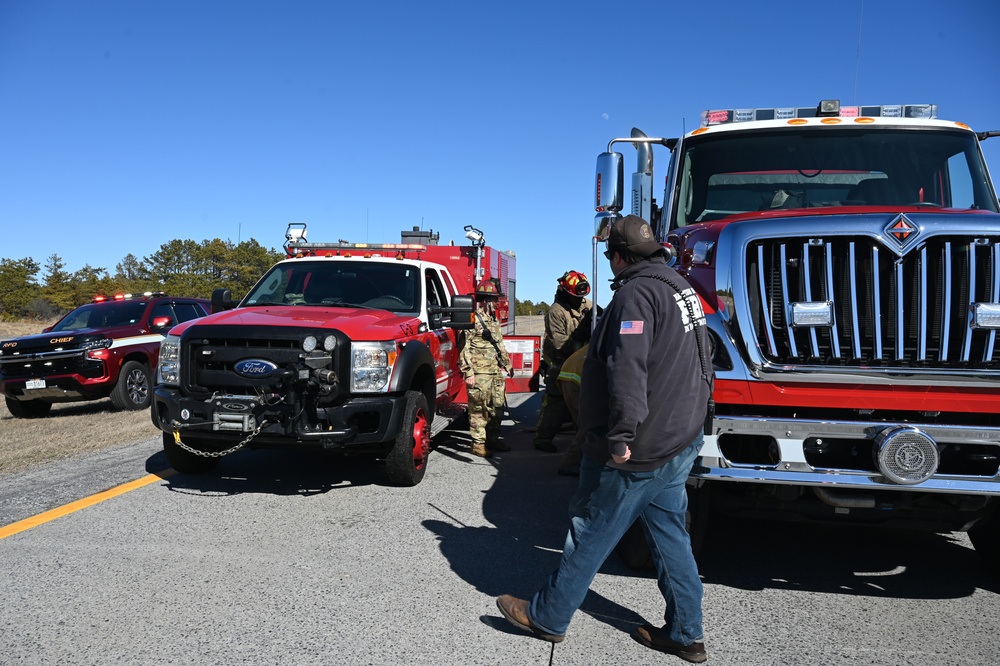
<point>516,612</point>
<point>479,449</point>
<point>653,637</point>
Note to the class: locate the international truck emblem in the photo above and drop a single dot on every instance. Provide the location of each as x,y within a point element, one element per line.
<point>902,231</point>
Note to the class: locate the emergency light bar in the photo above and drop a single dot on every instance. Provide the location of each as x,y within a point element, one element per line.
<point>341,249</point>
<point>100,298</point>
<point>826,108</point>
<point>360,246</point>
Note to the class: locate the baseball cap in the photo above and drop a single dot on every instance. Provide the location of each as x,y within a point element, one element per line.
<point>634,234</point>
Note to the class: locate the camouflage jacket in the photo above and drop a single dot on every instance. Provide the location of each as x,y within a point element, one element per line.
<point>478,354</point>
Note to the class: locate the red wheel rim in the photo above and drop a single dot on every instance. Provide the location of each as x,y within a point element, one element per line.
<point>421,439</point>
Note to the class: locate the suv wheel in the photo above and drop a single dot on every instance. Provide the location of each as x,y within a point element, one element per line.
<point>133,388</point>
<point>28,409</point>
<point>184,461</point>
<point>407,460</point>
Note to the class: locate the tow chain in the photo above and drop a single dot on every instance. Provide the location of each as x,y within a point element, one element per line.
<point>217,454</point>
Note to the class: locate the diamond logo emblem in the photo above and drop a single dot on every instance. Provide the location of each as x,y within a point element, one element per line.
<point>901,230</point>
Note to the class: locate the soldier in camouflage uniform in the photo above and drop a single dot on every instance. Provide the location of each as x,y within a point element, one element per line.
<point>484,362</point>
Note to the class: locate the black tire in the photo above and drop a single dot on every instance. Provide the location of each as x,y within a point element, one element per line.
<point>407,459</point>
<point>633,549</point>
<point>986,538</point>
<point>184,461</point>
<point>134,388</point>
<point>28,409</point>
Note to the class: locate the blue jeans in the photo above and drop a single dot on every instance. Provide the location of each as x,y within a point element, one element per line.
<point>605,505</point>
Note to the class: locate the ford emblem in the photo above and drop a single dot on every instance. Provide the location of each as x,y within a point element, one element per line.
<point>255,367</point>
<point>235,407</point>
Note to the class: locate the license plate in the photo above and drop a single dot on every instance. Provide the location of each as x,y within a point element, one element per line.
<point>34,384</point>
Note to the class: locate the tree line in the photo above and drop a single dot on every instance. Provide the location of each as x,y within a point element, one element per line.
<point>180,268</point>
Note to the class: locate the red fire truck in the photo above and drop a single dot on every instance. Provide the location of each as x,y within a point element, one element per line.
<point>342,346</point>
<point>849,263</point>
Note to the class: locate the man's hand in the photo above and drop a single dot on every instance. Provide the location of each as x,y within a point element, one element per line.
<point>470,380</point>
<point>508,371</point>
<point>624,458</point>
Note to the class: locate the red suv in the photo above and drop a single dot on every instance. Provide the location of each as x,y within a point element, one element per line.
<point>108,347</point>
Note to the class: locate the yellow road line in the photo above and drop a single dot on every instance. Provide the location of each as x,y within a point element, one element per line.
<point>96,498</point>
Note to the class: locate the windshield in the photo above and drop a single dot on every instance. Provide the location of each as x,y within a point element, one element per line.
<point>726,173</point>
<point>102,315</point>
<point>334,283</point>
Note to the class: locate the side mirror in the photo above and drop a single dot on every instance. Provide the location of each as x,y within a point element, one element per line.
<point>463,313</point>
<point>609,186</point>
<point>435,317</point>
<point>222,299</point>
<point>610,183</point>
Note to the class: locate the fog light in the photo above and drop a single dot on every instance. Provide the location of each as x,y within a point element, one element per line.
<point>985,315</point>
<point>816,313</point>
<point>905,455</point>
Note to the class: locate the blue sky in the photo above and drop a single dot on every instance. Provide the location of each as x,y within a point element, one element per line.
<point>124,125</point>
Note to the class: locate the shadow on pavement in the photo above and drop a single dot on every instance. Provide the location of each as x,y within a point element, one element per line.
<point>841,559</point>
<point>274,472</point>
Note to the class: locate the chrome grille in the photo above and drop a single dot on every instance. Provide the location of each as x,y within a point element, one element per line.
<point>909,311</point>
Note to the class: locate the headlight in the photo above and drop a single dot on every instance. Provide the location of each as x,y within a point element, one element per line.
<point>371,366</point>
<point>309,344</point>
<point>95,344</point>
<point>169,366</point>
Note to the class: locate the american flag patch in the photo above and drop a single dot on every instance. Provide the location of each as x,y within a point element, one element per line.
<point>630,328</point>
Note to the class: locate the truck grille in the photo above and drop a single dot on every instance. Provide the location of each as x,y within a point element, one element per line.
<point>909,311</point>
<point>47,365</point>
<point>211,353</point>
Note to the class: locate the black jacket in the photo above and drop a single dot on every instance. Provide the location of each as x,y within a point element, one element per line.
<point>642,384</point>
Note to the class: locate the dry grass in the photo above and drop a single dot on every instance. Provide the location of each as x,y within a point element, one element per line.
<point>70,429</point>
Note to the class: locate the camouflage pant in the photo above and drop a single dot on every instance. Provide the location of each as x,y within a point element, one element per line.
<point>486,400</point>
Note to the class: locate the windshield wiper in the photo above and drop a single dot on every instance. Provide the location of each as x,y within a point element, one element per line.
<point>340,305</point>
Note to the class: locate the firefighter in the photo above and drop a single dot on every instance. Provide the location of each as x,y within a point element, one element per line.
<point>570,308</point>
<point>484,363</point>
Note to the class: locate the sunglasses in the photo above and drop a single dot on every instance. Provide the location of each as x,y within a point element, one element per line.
<point>609,253</point>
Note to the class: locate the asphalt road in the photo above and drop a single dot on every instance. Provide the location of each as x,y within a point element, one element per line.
<point>306,559</point>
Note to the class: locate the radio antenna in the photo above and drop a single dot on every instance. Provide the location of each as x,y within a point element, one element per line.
<point>857,59</point>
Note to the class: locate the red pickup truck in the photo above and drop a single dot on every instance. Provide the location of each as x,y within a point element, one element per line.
<point>106,348</point>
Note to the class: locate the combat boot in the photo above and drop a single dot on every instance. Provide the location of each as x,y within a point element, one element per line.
<point>498,445</point>
<point>479,449</point>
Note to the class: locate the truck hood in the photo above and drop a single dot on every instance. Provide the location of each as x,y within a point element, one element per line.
<point>42,342</point>
<point>356,323</point>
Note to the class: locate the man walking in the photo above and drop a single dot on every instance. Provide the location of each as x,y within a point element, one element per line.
<point>645,393</point>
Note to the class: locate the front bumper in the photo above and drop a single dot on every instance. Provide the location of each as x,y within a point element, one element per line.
<point>833,454</point>
<point>359,423</point>
<point>59,388</point>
